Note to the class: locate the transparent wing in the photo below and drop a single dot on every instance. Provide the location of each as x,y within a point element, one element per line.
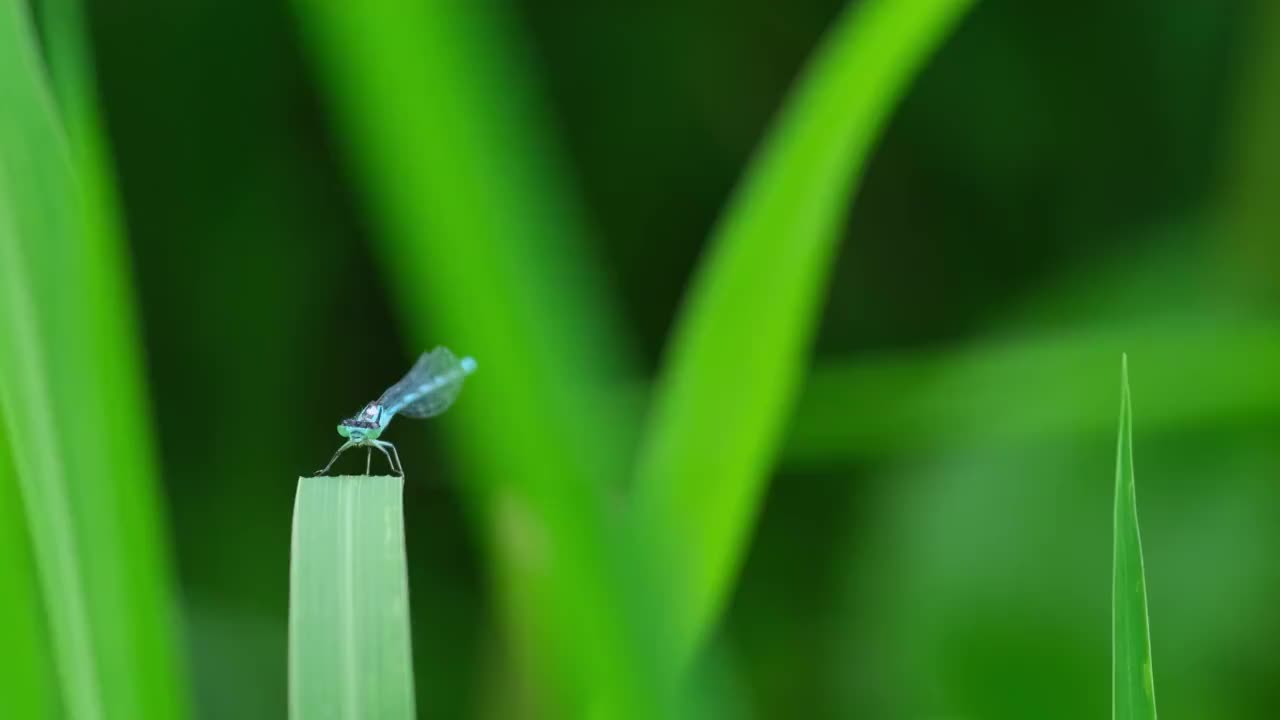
<point>430,386</point>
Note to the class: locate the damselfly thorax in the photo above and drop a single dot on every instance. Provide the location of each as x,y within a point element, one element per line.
<point>367,424</point>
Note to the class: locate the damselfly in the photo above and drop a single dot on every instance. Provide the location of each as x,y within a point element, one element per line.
<point>428,389</point>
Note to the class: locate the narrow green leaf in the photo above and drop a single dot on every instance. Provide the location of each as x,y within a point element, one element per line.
<point>487,251</point>
<point>1133,692</point>
<point>70,393</point>
<point>735,362</point>
<point>349,641</point>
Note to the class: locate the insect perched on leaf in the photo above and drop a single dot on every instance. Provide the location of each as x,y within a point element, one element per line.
<point>427,390</point>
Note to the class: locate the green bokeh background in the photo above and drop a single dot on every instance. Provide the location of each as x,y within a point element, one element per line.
<point>1084,177</point>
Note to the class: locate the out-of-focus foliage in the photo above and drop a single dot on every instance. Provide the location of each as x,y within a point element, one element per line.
<point>26,673</point>
<point>71,399</point>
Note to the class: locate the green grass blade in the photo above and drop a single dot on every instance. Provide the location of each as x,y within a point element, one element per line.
<point>349,641</point>
<point>736,360</point>
<point>70,394</point>
<point>486,253</point>
<point>1133,692</point>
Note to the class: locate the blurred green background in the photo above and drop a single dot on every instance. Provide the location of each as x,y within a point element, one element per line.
<point>1062,182</point>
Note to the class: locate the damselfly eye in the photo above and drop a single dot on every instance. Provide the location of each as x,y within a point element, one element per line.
<point>371,412</point>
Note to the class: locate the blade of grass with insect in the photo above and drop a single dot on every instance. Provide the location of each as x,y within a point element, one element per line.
<point>70,392</point>
<point>735,362</point>
<point>1133,691</point>
<point>27,685</point>
<point>487,251</point>
<point>349,639</point>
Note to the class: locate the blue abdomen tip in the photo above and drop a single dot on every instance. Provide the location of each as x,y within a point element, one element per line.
<point>468,364</point>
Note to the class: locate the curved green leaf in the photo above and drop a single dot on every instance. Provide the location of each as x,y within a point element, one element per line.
<point>736,360</point>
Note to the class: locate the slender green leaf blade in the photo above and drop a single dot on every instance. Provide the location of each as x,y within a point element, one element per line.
<point>1133,691</point>
<point>735,362</point>
<point>349,644</point>
<point>70,394</point>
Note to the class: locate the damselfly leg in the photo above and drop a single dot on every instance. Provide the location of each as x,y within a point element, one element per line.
<point>393,457</point>
<point>381,448</point>
<point>345,446</point>
<point>395,464</point>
